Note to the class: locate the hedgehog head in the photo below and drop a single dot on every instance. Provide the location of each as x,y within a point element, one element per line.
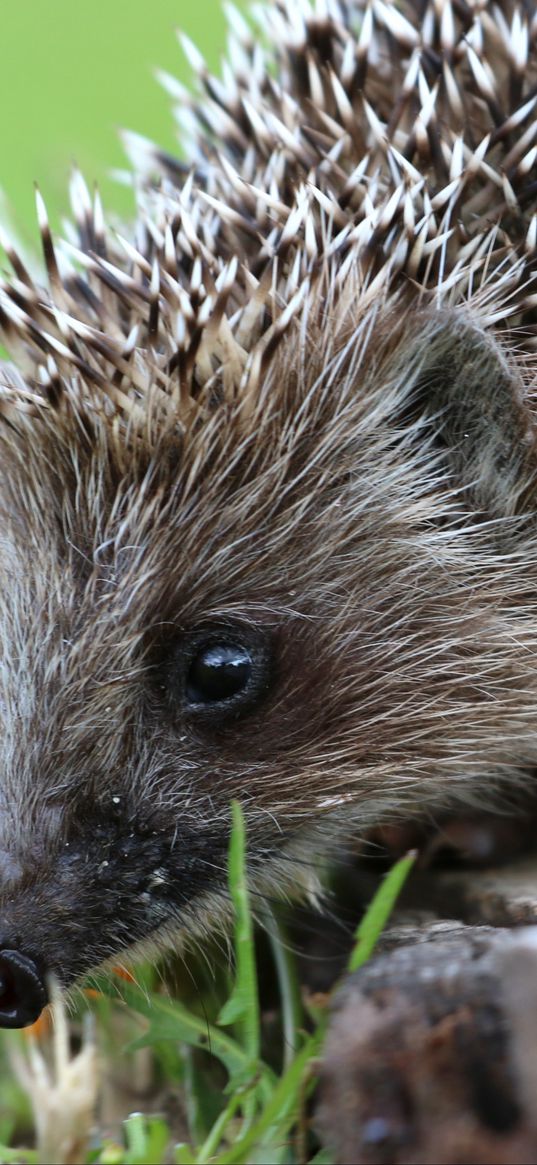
<point>267,482</point>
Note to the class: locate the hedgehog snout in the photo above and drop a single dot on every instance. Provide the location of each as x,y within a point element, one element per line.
<point>102,885</point>
<point>23,993</point>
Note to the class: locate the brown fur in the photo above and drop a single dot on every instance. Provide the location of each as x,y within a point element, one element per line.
<point>298,400</point>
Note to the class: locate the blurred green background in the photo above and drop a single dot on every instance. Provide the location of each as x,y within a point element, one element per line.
<point>72,73</point>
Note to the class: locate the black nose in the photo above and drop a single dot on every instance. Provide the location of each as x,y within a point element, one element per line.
<point>22,991</point>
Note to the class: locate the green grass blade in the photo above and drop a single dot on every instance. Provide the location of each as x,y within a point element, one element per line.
<point>210,1145</point>
<point>147,1139</point>
<point>379,910</point>
<point>183,1155</point>
<point>242,1007</point>
<point>293,1018</point>
<point>279,1112</point>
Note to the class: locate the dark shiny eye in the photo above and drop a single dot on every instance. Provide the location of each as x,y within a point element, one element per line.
<point>219,672</point>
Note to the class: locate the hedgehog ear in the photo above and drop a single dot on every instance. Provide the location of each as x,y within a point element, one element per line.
<point>475,398</point>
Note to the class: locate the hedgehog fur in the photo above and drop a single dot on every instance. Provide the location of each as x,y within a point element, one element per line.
<point>292,410</point>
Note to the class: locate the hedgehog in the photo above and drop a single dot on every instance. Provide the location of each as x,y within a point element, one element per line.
<point>267,481</point>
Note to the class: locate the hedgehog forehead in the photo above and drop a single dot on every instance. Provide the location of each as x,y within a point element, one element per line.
<point>222,470</point>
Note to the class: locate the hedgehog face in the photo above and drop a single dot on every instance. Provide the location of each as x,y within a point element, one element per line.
<point>315,623</point>
<point>267,482</point>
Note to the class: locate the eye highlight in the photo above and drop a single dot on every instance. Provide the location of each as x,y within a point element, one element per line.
<point>218,672</point>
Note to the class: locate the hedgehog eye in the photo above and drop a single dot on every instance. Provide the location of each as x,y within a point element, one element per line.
<point>219,672</point>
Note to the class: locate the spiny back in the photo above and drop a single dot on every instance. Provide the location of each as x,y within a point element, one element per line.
<point>364,146</point>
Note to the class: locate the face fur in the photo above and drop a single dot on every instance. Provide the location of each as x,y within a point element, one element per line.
<point>308,617</point>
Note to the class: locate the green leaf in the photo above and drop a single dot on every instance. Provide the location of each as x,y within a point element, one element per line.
<point>172,1021</point>
<point>280,1111</point>
<point>184,1155</point>
<point>292,1009</point>
<point>379,910</point>
<point>147,1138</point>
<point>242,1007</point>
<point>202,1095</point>
<point>210,1145</point>
<point>17,1156</point>
<point>107,1153</point>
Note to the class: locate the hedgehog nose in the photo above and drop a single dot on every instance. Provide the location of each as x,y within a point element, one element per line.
<point>22,991</point>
